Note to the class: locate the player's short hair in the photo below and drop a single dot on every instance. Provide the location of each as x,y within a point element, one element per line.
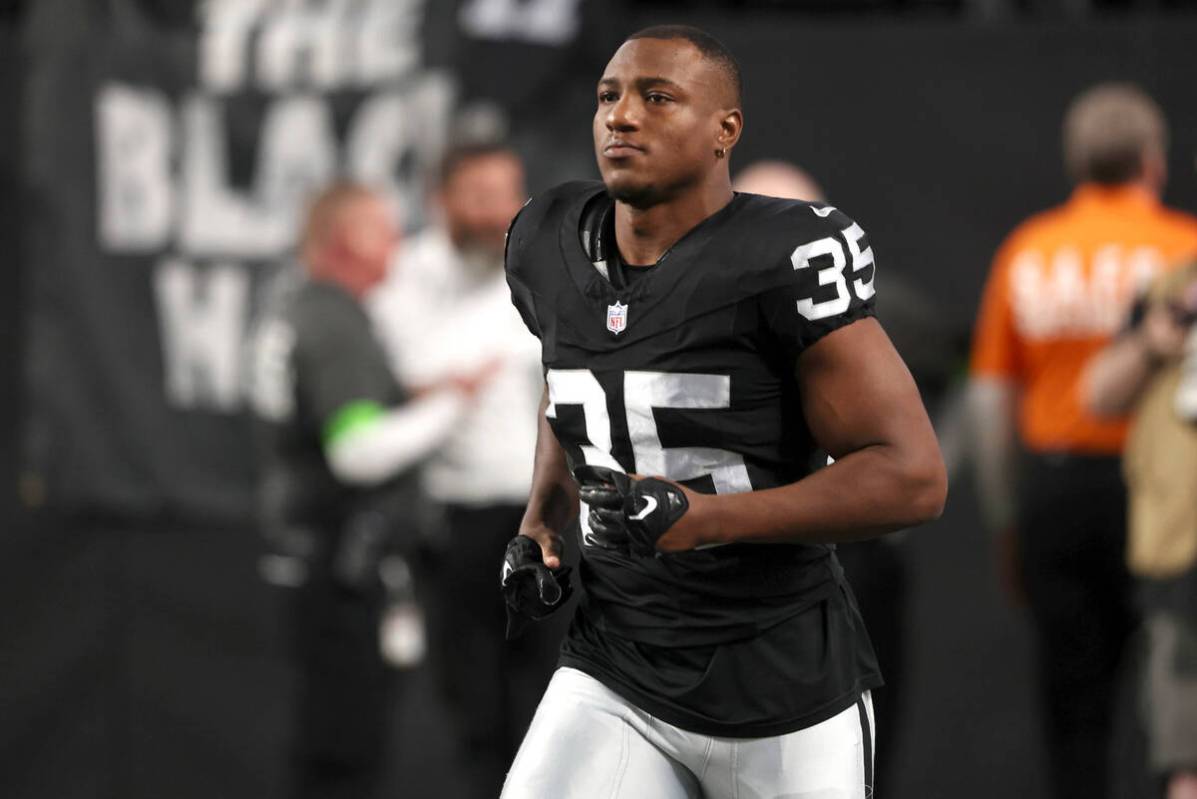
<point>1108,129</point>
<point>458,155</point>
<point>711,48</point>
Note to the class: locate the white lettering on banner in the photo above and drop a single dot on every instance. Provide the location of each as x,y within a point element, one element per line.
<point>298,152</point>
<point>271,378</point>
<point>548,22</point>
<point>388,44</point>
<point>391,126</point>
<point>133,149</point>
<point>308,44</point>
<point>226,27</point>
<point>1057,297</point>
<point>203,315</point>
<point>302,38</point>
<point>163,160</point>
<point>296,155</point>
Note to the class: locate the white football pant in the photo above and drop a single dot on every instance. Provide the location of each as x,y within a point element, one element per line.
<point>587,742</point>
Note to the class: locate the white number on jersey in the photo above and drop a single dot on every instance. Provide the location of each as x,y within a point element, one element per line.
<point>833,273</point>
<point>579,387</point>
<point>643,392</point>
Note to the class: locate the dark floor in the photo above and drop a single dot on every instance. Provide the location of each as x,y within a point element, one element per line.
<point>144,663</point>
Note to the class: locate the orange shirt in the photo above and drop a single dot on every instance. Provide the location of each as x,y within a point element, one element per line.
<point>1060,287</point>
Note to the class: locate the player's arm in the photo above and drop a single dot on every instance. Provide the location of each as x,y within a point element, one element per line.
<point>534,582</point>
<point>859,401</point>
<point>863,409</point>
<point>553,500</point>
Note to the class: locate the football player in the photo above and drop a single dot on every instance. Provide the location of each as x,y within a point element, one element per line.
<point>705,352</point>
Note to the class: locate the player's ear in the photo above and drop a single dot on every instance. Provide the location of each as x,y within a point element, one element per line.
<point>731,125</point>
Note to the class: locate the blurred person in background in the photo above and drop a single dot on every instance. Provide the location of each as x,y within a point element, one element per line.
<point>778,179</point>
<point>1060,286</point>
<point>447,309</point>
<point>1150,371</point>
<point>343,437</point>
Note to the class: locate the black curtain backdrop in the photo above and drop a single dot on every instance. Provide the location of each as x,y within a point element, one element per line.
<point>939,137</point>
<point>11,206</point>
<point>139,654</point>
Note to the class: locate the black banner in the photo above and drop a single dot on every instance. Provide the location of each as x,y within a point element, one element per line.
<point>168,167</point>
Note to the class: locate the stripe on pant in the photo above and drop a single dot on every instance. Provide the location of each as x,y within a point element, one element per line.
<point>866,735</point>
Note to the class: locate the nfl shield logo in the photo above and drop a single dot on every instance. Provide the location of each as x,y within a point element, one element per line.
<point>617,317</point>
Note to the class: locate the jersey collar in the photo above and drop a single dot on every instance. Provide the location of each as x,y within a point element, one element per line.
<point>680,261</point>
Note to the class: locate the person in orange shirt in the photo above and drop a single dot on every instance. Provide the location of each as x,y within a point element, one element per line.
<point>1061,286</point>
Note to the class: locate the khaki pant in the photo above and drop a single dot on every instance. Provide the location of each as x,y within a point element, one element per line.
<point>1170,688</point>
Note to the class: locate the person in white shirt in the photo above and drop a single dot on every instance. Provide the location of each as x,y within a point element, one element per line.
<point>446,308</point>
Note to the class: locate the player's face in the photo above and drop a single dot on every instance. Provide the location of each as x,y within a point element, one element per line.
<point>658,119</point>
<point>480,199</point>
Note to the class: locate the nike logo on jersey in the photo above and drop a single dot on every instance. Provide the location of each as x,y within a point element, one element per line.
<point>650,505</point>
<point>507,570</point>
<point>823,212</point>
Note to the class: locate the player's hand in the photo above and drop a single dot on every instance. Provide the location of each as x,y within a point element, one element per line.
<point>632,514</point>
<point>530,588</point>
<point>548,541</point>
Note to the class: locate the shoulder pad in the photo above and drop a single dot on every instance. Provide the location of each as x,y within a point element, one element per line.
<point>533,255</point>
<point>782,230</point>
<point>542,208</point>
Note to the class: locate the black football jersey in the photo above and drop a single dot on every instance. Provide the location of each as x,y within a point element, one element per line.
<point>687,372</point>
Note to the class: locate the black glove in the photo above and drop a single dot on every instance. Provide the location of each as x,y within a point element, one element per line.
<point>531,589</point>
<point>628,515</point>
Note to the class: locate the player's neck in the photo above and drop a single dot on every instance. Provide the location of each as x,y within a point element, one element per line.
<point>643,235</point>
